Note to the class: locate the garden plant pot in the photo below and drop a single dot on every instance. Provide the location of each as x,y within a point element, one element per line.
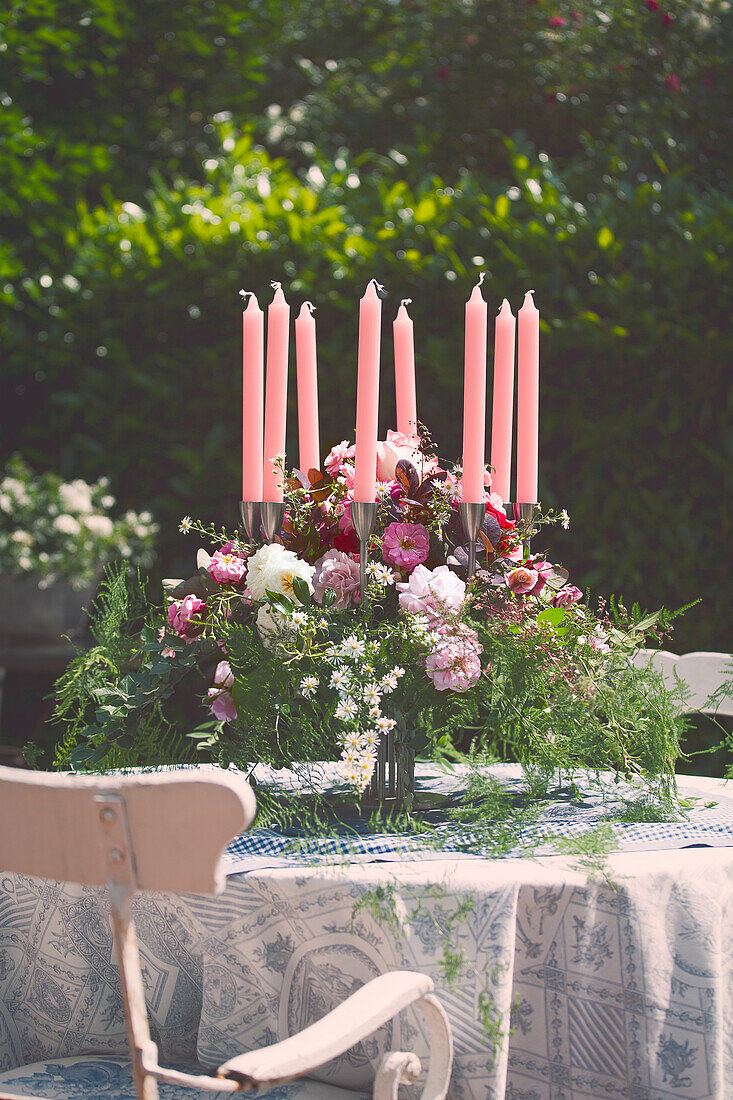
<point>41,616</point>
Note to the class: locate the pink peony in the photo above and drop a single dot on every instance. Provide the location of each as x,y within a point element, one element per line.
<point>222,702</point>
<point>521,580</point>
<point>227,567</point>
<point>337,456</point>
<point>339,573</point>
<point>432,592</point>
<point>405,545</point>
<point>454,664</point>
<point>566,596</point>
<point>399,445</point>
<point>182,615</point>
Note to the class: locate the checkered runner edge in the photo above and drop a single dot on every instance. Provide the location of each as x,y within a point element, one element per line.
<point>707,822</point>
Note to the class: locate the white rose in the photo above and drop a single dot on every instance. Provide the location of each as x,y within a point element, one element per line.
<point>269,625</point>
<point>273,568</point>
<point>67,525</point>
<point>99,525</point>
<point>76,496</point>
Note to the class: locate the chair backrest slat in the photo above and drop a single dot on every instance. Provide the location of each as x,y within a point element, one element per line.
<point>703,673</point>
<point>179,823</point>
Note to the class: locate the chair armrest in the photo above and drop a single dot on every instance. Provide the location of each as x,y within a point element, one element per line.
<point>353,1020</point>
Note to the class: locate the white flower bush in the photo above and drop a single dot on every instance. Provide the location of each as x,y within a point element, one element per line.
<point>60,531</point>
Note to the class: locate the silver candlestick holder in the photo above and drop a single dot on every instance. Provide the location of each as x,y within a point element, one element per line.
<point>522,513</point>
<point>249,510</point>
<point>471,518</point>
<point>273,514</point>
<point>363,515</point>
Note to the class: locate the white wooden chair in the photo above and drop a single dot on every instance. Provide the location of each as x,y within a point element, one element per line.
<point>165,832</point>
<point>702,673</point>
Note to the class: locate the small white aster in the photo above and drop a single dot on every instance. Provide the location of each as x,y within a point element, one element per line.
<point>397,671</point>
<point>339,679</point>
<point>308,686</point>
<point>372,694</point>
<point>346,710</point>
<point>370,739</point>
<point>564,519</point>
<point>185,525</point>
<point>389,682</point>
<point>352,647</point>
<point>298,619</point>
<point>375,712</point>
<point>385,724</point>
<point>353,741</point>
<point>373,568</point>
<point>386,575</point>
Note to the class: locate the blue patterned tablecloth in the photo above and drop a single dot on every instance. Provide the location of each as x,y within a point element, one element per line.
<point>707,820</point>
<point>558,986</point>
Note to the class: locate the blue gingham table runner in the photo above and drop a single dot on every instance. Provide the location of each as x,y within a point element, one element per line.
<point>708,822</point>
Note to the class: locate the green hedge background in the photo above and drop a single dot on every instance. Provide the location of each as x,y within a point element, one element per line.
<point>158,157</point>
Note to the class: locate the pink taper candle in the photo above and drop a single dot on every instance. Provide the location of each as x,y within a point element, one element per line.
<point>474,398</point>
<point>404,370</point>
<point>503,403</point>
<point>276,394</point>
<point>367,394</point>
<point>305,357</point>
<point>252,394</point>
<point>528,400</point>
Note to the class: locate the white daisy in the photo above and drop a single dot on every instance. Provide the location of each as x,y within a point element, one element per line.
<point>298,619</point>
<point>346,710</point>
<point>352,647</point>
<point>373,569</point>
<point>389,682</point>
<point>339,679</point>
<point>375,712</point>
<point>386,575</point>
<point>397,671</point>
<point>370,739</point>
<point>353,741</point>
<point>308,686</point>
<point>372,694</point>
<point>185,525</point>
<point>384,724</point>
<point>564,519</point>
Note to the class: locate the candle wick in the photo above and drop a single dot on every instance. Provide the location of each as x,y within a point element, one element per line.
<point>244,293</point>
<point>406,302</point>
<point>276,286</point>
<point>481,277</point>
<point>311,307</point>
<point>379,286</point>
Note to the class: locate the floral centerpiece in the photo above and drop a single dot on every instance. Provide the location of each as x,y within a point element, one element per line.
<point>294,662</point>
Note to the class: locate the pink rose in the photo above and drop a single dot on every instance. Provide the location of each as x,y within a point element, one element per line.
<point>432,592</point>
<point>337,456</point>
<point>566,596</point>
<point>454,664</point>
<point>182,616</point>
<point>399,445</point>
<point>405,545</point>
<point>521,580</point>
<point>544,571</point>
<point>339,573</point>
<point>227,568</point>
<point>222,702</point>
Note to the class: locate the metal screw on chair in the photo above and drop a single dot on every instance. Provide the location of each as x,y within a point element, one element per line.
<point>107,814</point>
<point>116,856</point>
